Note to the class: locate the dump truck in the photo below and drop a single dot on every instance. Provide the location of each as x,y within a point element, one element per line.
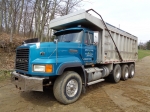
<point>86,50</point>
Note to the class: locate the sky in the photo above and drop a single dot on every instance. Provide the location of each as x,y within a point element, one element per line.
<point>132,16</point>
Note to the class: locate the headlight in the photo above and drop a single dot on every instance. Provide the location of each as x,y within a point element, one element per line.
<point>43,68</point>
<point>39,68</point>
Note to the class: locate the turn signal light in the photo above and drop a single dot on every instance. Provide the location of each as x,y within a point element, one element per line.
<point>48,68</point>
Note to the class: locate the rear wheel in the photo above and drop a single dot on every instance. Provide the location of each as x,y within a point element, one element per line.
<point>131,70</point>
<point>67,88</point>
<point>116,75</point>
<point>124,72</point>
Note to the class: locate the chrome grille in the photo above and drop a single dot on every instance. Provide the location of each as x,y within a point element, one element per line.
<point>22,59</point>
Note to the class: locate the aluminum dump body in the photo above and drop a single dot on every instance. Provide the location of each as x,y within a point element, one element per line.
<point>106,51</point>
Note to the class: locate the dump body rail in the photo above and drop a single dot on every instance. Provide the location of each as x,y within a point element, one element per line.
<point>108,32</point>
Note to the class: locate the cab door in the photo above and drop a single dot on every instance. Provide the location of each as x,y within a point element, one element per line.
<point>89,49</point>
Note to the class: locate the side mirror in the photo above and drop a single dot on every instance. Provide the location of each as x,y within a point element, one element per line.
<point>95,43</point>
<point>55,41</point>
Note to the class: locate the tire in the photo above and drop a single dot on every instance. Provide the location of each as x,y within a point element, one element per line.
<point>116,75</point>
<point>131,70</point>
<point>124,72</point>
<point>67,87</point>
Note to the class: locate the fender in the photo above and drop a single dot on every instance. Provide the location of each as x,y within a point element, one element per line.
<point>68,65</point>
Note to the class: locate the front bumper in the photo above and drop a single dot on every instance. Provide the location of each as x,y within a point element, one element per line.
<point>26,83</point>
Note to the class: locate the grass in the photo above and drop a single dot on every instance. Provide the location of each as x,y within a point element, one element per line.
<point>143,53</point>
<point>4,75</point>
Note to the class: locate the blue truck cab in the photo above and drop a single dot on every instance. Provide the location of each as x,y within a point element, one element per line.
<point>74,48</point>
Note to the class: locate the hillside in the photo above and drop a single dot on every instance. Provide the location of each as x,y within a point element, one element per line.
<point>7,50</point>
<point>10,46</point>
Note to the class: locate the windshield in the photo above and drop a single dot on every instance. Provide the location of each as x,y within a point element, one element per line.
<point>70,36</point>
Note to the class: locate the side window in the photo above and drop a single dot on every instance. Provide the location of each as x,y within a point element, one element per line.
<point>96,37</point>
<point>86,38</point>
<point>90,38</point>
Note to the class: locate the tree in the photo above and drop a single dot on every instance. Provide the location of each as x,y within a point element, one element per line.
<point>28,16</point>
<point>148,45</point>
<point>68,6</point>
<point>1,14</point>
<point>20,16</point>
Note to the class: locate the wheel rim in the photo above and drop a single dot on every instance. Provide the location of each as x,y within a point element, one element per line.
<point>132,72</point>
<point>126,73</point>
<point>118,73</point>
<point>72,88</point>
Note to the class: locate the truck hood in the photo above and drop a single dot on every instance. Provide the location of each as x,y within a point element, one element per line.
<point>48,49</point>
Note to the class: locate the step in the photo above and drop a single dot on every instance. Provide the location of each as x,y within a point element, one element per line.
<point>94,82</point>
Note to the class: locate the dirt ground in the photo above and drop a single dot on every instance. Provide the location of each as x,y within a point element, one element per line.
<point>132,95</point>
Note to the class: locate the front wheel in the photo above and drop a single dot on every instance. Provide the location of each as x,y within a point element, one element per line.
<point>67,88</point>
